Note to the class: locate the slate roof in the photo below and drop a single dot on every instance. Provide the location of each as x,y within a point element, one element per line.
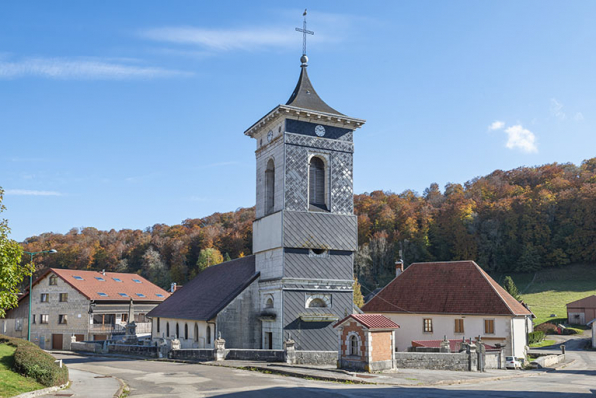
<point>586,302</point>
<point>305,96</point>
<point>90,286</point>
<point>371,321</point>
<point>455,287</point>
<point>454,345</point>
<point>209,292</point>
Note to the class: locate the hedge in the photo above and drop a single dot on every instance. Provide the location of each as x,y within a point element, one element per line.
<point>547,328</point>
<point>31,361</point>
<point>535,337</point>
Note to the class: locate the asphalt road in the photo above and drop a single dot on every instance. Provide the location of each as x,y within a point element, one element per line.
<point>148,379</point>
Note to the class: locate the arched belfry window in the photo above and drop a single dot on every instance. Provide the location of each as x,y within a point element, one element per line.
<point>269,187</point>
<point>316,184</point>
<point>208,334</point>
<point>196,334</point>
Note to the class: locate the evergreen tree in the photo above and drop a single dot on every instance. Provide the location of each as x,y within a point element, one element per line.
<point>358,298</point>
<point>510,287</point>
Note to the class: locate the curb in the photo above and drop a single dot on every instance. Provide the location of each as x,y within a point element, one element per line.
<point>43,391</point>
<point>122,387</point>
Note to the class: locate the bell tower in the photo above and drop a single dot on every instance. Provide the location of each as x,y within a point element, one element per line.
<point>305,233</point>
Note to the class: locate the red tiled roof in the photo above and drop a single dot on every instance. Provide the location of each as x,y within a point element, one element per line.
<point>94,282</point>
<point>454,287</point>
<point>371,321</point>
<point>588,302</point>
<point>454,345</point>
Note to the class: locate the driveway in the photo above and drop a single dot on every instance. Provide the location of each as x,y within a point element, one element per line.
<point>149,379</point>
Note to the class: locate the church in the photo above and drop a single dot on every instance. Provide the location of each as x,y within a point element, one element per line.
<point>298,282</point>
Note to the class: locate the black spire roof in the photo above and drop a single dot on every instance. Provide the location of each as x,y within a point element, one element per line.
<point>305,96</point>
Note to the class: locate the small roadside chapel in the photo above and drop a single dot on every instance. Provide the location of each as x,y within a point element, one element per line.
<point>366,342</point>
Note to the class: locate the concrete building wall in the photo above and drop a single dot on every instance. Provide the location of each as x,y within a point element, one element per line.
<point>267,233</point>
<point>201,334</point>
<point>519,337</point>
<point>275,151</point>
<point>238,322</point>
<point>411,328</point>
<point>271,290</point>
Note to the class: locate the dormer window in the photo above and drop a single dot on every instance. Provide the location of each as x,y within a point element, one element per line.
<point>136,281</point>
<point>79,278</point>
<point>123,294</point>
<point>140,294</point>
<point>316,184</point>
<point>117,279</point>
<point>99,278</point>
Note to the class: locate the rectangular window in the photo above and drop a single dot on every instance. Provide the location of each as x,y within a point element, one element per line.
<point>63,297</point>
<point>33,319</point>
<point>158,321</point>
<point>45,297</point>
<point>489,326</point>
<point>43,318</point>
<point>459,326</point>
<point>427,325</point>
<point>53,280</point>
<point>62,319</point>
<point>124,317</point>
<point>18,324</point>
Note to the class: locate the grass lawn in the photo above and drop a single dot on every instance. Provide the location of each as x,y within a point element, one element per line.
<point>12,383</point>
<point>543,343</point>
<point>553,288</point>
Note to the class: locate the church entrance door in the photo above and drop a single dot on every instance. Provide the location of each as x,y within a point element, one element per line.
<point>268,344</point>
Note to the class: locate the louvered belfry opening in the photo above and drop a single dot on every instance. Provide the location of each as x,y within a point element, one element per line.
<point>316,187</point>
<point>269,187</point>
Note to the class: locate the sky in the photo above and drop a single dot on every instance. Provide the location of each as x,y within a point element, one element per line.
<point>128,114</point>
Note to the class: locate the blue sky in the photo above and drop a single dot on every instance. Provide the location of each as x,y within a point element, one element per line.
<point>127,114</point>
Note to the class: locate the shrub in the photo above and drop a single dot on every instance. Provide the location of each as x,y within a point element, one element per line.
<point>547,328</point>
<point>31,361</point>
<point>535,337</point>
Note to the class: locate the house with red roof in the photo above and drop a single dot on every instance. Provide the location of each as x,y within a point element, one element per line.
<point>88,305</point>
<point>453,299</point>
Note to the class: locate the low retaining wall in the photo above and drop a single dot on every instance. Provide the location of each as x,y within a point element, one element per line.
<point>548,360</point>
<point>316,357</point>
<point>434,360</point>
<point>193,354</point>
<point>146,351</point>
<point>255,355</point>
<point>85,347</point>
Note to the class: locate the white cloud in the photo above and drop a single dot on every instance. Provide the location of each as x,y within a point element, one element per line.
<point>556,109</point>
<point>521,138</point>
<point>25,192</point>
<point>578,117</point>
<point>496,125</point>
<point>82,69</point>
<point>223,39</point>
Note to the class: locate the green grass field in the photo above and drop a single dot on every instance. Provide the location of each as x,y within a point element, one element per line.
<point>12,383</point>
<point>553,288</point>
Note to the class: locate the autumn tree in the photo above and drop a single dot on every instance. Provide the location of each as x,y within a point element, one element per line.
<point>11,272</point>
<point>207,258</point>
<point>358,297</point>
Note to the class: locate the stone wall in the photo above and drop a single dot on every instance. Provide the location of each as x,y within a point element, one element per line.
<point>548,360</point>
<point>436,361</point>
<point>239,326</point>
<point>255,355</point>
<point>193,354</point>
<point>316,357</point>
<point>146,351</point>
<point>85,346</point>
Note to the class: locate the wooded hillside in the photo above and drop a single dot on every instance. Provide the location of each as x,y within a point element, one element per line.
<point>519,220</point>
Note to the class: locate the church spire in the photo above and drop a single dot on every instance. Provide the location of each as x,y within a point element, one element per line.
<point>304,95</point>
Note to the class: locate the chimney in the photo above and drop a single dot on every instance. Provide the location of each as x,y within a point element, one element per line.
<point>103,272</point>
<point>173,287</point>
<point>399,267</point>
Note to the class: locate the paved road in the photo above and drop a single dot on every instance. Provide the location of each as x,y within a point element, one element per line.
<point>149,379</point>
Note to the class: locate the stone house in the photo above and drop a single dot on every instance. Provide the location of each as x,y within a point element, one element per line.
<point>89,305</point>
<point>581,311</point>
<point>454,299</point>
<point>366,342</point>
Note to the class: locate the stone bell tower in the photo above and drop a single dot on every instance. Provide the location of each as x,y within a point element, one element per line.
<point>305,233</point>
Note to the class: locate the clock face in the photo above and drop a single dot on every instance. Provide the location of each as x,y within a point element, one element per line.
<point>269,136</point>
<point>320,130</point>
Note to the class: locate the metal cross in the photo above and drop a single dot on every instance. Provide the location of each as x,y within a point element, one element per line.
<point>304,33</point>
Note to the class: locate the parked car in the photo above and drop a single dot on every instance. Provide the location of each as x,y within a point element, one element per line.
<point>512,363</point>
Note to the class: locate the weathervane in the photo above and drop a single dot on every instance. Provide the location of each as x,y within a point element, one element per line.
<point>304,33</point>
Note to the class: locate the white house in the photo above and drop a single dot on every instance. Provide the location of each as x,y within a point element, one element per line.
<point>454,299</point>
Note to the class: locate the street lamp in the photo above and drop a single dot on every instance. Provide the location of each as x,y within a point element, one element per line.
<point>30,286</point>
